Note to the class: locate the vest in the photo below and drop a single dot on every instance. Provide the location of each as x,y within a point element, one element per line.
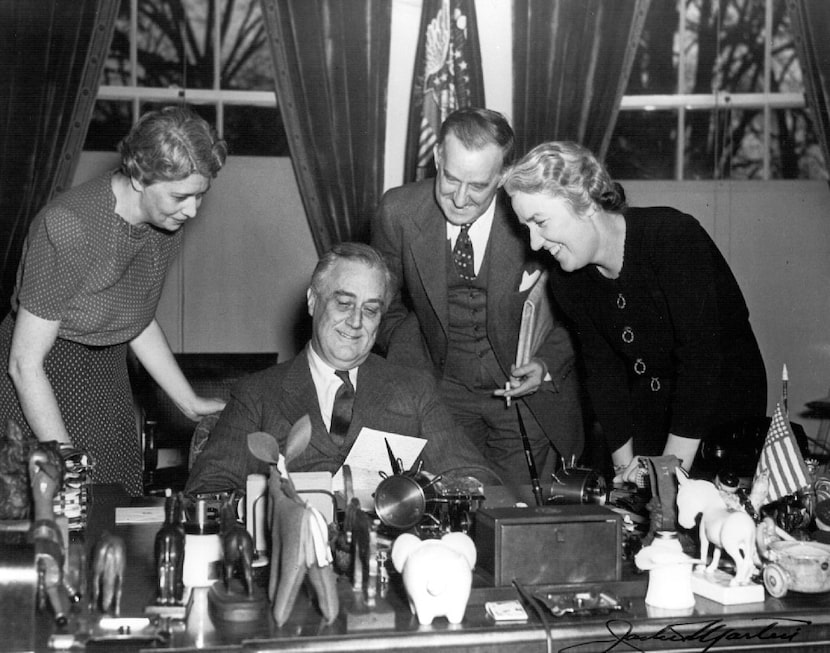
<point>470,357</point>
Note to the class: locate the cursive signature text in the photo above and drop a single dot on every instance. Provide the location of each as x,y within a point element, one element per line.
<point>707,633</point>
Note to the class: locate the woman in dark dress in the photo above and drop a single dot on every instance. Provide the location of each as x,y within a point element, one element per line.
<point>662,325</point>
<point>89,281</point>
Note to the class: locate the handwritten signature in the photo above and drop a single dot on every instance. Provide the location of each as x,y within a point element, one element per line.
<point>708,633</point>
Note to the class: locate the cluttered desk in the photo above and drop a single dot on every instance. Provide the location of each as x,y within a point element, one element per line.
<point>423,569</point>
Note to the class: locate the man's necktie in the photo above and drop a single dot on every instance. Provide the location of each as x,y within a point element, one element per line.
<point>341,415</point>
<point>462,255</point>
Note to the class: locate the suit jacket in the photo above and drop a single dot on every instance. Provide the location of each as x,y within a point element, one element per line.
<point>410,231</point>
<point>388,397</point>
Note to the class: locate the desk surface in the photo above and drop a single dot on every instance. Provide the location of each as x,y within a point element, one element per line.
<point>797,620</point>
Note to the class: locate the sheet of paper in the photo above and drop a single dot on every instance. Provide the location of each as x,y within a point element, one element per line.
<point>368,457</point>
<point>140,515</point>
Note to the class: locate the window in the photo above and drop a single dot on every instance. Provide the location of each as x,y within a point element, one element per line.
<point>211,53</point>
<point>712,97</point>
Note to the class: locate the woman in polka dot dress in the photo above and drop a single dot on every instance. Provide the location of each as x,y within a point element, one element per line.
<point>88,284</point>
<point>669,354</point>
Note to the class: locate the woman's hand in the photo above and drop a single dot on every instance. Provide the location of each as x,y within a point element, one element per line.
<point>203,406</point>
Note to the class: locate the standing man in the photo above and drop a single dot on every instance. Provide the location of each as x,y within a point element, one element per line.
<point>464,274</point>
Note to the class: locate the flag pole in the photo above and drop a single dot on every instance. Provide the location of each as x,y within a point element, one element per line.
<point>784,383</point>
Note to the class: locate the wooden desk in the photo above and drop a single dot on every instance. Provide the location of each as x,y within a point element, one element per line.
<point>798,622</point>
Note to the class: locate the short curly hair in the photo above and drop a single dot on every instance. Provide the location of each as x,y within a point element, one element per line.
<point>170,144</point>
<point>567,170</point>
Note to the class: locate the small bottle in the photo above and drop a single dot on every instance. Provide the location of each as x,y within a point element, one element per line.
<point>169,553</point>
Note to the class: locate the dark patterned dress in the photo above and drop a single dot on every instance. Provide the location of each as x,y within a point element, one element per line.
<point>85,266</point>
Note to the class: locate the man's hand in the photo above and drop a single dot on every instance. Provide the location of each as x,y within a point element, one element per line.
<point>524,380</point>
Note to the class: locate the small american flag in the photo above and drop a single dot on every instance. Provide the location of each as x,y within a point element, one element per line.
<point>782,458</point>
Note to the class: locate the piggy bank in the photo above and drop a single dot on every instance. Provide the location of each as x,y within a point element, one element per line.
<point>437,574</point>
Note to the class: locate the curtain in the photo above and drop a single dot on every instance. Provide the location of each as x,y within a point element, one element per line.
<point>331,59</point>
<point>51,53</point>
<point>447,77</point>
<point>810,20</point>
<point>571,61</point>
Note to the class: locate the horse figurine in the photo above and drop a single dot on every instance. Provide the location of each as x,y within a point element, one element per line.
<point>732,531</point>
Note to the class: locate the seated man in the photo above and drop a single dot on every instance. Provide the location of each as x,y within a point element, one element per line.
<point>350,290</point>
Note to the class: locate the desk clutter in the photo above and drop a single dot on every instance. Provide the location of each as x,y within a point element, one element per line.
<point>444,545</point>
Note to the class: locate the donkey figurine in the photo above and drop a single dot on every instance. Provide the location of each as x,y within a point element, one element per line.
<point>732,531</point>
<point>299,538</point>
<point>237,546</point>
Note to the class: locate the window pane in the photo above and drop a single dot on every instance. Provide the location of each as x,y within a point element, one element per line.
<point>255,131</point>
<point>655,66</point>
<point>795,150</point>
<point>117,67</point>
<point>110,123</point>
<point>643,145</point>
<point>245,58</point>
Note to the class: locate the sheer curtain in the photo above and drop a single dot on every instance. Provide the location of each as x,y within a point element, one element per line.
<point>571,62</point>
<point>331,59</point>
<point>52,54</point>
<point>810,21</point>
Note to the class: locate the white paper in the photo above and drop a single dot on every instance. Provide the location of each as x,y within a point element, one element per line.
<point>140,515</point>
<point>368,457</point>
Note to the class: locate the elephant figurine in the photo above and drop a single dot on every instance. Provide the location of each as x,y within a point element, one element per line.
<point>437,574</point>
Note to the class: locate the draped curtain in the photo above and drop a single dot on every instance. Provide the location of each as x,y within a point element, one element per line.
<point>810,20</point>
<point>571,61</point>
<point>51,56</point>
<point>331,59</point>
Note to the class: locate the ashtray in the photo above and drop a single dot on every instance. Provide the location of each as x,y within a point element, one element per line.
<point>585,602</point>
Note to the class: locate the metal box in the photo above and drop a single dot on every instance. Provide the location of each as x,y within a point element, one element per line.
<point>549,545</point>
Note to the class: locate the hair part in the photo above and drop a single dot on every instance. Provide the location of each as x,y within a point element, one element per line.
<point>568,171</point>
<point>476,128</point>
<point>352,251</point>
<point>170,144</point>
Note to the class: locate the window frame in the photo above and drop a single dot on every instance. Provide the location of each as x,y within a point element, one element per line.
<point>718,100</point>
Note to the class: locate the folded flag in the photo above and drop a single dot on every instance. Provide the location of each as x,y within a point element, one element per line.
<point>782,459</point>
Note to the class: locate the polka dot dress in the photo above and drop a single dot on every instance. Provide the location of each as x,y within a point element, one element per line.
<point>92,388</point>
<point>101,278</point>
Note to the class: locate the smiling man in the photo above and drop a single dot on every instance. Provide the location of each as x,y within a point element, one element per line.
<point>465,271</point>
<point>334,388</point>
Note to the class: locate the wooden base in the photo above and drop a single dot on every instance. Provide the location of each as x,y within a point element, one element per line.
<point>380,617</point>
<point>236,605</point>
<point>715,586</point>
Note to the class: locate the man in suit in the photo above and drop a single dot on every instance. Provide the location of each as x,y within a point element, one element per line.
<point>350,290</point>
<point>458,312</point>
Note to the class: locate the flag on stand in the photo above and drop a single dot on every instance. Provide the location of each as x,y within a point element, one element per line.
<point>782,459</point>
<point>447,77</point>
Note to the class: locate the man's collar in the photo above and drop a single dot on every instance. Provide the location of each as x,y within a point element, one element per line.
<point>321,369</point>
<point>478,229</point>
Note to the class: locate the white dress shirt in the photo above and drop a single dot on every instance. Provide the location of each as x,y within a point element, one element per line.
<point>479,234</point>
<point>326,383</point>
